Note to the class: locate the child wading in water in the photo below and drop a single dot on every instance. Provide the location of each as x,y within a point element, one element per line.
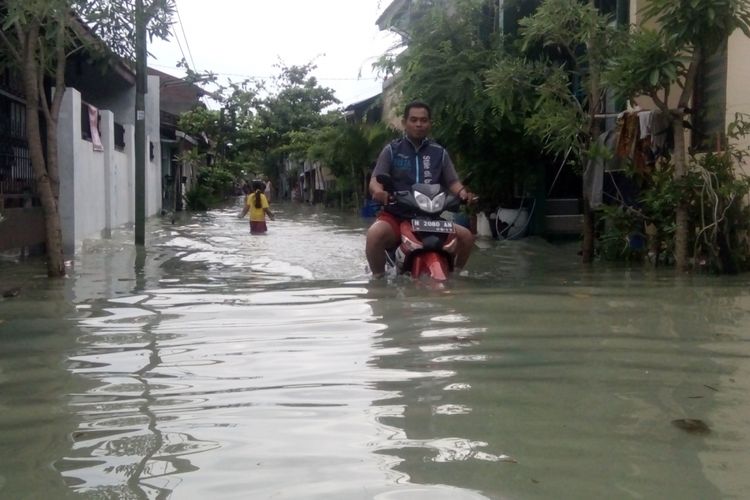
<point>257,204</point>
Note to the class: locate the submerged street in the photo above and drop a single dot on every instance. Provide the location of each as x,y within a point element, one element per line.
<point>216,364</point>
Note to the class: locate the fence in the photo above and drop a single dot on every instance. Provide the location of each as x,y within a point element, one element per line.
<point>23,224</point>
<point>16,174</point>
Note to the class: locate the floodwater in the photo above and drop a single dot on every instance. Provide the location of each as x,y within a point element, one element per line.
<point>220,365</point>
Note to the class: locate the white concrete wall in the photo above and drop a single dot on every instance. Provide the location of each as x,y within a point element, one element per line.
<point>82,188</point>
<point>97,187</point>
<point>153,136</point>
<point>122,181</point>
<point>122,106</point>
<point>90,190</point>
<point>68,134</point>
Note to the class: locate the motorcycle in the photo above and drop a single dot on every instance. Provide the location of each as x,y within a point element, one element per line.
<point>428,242</point>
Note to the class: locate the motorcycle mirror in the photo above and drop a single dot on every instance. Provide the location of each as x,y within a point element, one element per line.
<point>386,181</point>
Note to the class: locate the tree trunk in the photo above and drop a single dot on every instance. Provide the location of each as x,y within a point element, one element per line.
<point>681,213</point>
<point>52,108</point>
<point>587,249</point>
<point>53,233</point>
<point>679,157</point>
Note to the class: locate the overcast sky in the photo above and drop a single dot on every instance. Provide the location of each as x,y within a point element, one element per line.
<point>246,38</point>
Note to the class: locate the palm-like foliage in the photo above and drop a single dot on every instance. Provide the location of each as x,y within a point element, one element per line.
<point>563,44</point>
<point>450,52</point>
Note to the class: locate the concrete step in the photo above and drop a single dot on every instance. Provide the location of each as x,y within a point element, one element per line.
<point>563,206</point>
<point>563,224</point>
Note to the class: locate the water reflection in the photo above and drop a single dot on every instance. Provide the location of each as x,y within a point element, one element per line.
<point>543,388</point>
<point>35,419</point>
<point>220,365</point>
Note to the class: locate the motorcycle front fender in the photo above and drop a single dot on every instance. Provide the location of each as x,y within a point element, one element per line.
<point>432,264</point>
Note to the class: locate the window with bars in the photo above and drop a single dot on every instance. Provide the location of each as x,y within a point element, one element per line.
<point>16,173</point>
<point>12,118</point>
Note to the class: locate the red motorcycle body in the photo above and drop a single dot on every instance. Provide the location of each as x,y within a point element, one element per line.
<point>426,253</point>
<point>428,242</point>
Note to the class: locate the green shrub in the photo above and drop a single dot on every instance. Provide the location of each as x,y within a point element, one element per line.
<point>200,197</point>
<point>719,216</point>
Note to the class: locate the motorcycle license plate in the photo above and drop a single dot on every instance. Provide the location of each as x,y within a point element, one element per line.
<point>432,225</point>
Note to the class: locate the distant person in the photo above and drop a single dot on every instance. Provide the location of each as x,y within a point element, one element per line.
<point>257,204</point>
<point>268,190</point>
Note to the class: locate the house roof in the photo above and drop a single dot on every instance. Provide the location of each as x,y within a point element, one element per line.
<point>363,104</point>
<point>396,9</point>
<point>400,15</point>
<point>125,70</point>
<point>177,95</point>
<point>369,110</point>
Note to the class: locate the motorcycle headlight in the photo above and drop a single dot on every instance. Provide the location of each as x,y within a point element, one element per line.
<point>428,205</point>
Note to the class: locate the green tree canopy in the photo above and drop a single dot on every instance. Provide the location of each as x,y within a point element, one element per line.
<point>450,52</point>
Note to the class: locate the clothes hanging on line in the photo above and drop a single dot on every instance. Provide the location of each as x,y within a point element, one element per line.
<point>638,138</point>
<point>593,175</point>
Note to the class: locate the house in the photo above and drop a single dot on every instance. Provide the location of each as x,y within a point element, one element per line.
<point>96,154</point>
<point>368,110</point>
<point>721,88</point>
<point>179,172</point>
<point>306,181</point>
<point>22,225</point>
<point>97,192</point>
<point>400,15</point>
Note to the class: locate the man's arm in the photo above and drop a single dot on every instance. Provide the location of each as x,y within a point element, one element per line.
<point>450,178</point>
<point>377,192</point>
<point>383,166</point>
<point>458,189</point>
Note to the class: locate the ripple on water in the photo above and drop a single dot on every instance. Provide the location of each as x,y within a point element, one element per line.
<point>226,366</point>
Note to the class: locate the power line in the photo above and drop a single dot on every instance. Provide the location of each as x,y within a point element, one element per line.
<point>182,28</point>
<point>179,45</point>
<point>259,77</point>
<point>319,78</point>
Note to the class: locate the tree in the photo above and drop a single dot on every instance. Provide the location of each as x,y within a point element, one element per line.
<point>349,150</point>
<point>659,61</point>
<point>256,129</point>
<point>297,105</point>
<point>40,35</point>
<point>232,141</point>
<point>555,84</point>
<point>447,64</point>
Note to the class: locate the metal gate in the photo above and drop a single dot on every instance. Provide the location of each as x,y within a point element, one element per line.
<point>22,226</point>
<point>16,175</point>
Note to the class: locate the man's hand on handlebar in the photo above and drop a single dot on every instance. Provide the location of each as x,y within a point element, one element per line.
<point>467,196</point>
<point>382,197</point>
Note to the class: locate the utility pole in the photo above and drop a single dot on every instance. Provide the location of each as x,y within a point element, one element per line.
<point>140,123</point>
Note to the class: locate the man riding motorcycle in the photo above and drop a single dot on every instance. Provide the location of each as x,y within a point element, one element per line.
<point>412,159</point>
